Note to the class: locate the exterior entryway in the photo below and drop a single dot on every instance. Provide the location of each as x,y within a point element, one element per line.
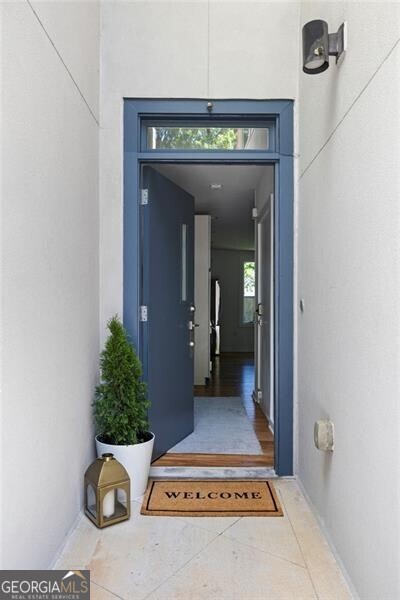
<point>158,256</point>
<point>220,558</point>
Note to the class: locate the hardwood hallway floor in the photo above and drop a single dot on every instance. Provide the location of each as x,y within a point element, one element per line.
<point>233,375</point>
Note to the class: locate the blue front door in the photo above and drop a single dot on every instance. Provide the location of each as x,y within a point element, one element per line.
<point>141,114</point>
<point>168,293</point>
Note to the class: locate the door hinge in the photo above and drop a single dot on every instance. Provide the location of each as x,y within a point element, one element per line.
<point>143,314</point>
<point>144,197</point>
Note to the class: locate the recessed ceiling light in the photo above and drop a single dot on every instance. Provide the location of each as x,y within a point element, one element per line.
<point>216,186</point>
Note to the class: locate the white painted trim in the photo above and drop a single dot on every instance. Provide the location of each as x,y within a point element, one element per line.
<point>202,297</point>
<point>257,337</point>
<point>271,415</point>
<point>267,209</point>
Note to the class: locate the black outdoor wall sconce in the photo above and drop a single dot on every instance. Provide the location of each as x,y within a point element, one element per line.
<point>319,45</point>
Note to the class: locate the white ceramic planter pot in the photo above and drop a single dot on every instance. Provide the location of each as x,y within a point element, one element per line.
<point>136,460</point>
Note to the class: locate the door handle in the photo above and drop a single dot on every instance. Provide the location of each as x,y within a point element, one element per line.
<point>191,327</point>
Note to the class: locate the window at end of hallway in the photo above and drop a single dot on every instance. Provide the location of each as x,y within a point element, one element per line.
<point>249,289</point>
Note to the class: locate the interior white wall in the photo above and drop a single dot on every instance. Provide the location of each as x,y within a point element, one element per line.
<point>49,268</point>
<point>264,189</point>
<point>179,49</point>
<point>227,267</point>
<point>202,297</point>
<point>348,262</point>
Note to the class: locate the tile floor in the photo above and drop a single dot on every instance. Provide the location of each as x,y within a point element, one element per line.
<point>169,558</point>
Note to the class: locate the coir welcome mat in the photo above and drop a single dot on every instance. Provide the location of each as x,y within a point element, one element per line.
<point>211,498</point>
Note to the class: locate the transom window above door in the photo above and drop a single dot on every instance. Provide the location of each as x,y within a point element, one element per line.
<point>217,135</point>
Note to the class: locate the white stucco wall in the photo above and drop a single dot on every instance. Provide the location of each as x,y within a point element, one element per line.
<point>348,261</point>
<point>347,232</point>
<point>181,49</point>
<point>49,229</point>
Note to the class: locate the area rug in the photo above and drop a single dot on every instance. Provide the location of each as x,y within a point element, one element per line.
<point>211,498</point>
<point>221,426</point>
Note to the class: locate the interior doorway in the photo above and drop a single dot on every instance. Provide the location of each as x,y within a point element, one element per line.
<point>232,420</point>
<point>255,133</point>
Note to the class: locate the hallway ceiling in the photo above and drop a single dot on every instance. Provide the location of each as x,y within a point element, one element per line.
<point>230,207</point>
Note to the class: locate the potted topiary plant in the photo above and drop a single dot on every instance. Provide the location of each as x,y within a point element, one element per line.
<point>120,408</point>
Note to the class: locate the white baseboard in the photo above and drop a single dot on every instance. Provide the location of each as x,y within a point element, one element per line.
<point>71,530</point>
<point>328,538</point>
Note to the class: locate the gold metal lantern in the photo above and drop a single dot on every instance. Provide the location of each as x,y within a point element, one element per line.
<point>107,492</point>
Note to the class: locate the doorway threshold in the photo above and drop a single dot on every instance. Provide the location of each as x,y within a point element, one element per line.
<point>212,473</point>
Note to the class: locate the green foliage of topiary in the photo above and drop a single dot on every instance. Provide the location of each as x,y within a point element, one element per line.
<point>120,406</point>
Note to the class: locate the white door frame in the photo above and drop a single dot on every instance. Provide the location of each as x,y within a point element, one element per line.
<point>260,309</point>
